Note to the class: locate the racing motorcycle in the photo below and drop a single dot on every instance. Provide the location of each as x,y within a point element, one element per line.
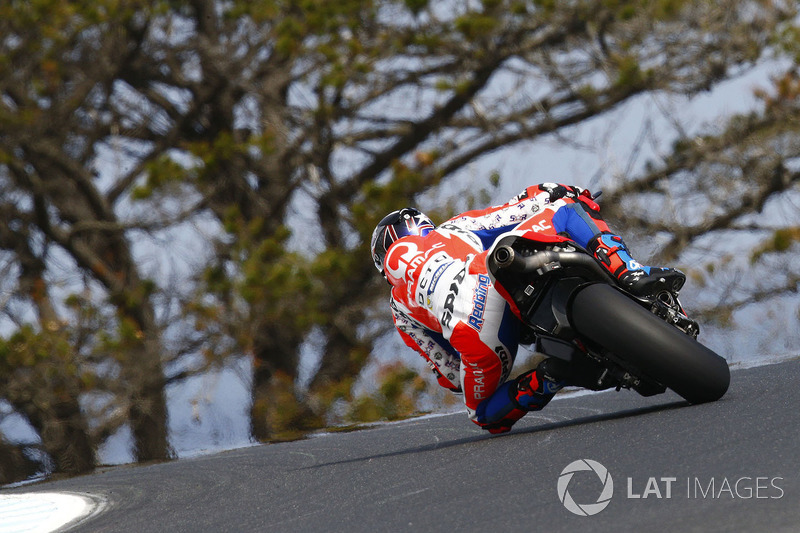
<point>574,310</point>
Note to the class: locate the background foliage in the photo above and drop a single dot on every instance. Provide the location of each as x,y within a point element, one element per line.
<point>187,181</point>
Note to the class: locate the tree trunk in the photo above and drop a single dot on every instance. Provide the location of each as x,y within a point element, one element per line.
<point>144,372</point>
<point>278,412</point>
<point>14,464</point>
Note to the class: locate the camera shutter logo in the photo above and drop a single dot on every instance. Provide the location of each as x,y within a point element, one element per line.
<point>586,509</point>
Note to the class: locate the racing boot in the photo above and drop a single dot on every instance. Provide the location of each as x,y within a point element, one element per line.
<point>513,399</point>
<point>536,388</point>
<point>635,278</point>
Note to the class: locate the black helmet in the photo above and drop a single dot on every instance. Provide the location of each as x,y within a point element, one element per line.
<point>396,225</point>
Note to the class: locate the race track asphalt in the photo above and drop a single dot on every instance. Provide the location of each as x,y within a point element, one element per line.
<point>732,465</point>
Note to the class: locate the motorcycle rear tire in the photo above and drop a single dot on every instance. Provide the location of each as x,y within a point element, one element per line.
<point>660,351</point>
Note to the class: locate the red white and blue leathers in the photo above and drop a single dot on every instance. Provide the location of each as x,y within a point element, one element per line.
<point>443,301</point>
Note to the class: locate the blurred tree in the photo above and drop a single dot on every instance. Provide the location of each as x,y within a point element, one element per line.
<point>278,132</point>
<point>728,202</point>
<point>58,66</point>
<point>15,464</point>
<point>350,111</point>
<point>397,396</point>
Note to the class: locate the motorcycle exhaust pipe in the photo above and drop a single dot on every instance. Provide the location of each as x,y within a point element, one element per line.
<point>506,258</point>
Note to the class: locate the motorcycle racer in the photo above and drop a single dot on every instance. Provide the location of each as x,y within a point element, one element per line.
<point>445,307</point>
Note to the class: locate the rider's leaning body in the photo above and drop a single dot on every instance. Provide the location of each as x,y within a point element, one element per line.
<point>445,306</point>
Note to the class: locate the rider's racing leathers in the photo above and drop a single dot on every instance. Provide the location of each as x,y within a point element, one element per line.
<point>445,307</point>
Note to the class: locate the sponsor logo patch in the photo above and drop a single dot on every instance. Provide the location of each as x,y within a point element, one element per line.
<point>479,302</point>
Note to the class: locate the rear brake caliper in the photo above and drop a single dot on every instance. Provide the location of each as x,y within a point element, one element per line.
<point>666,306</point>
